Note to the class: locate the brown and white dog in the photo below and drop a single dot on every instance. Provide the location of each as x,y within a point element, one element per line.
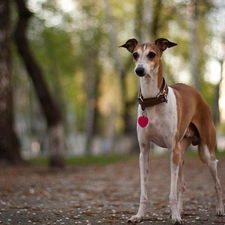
<point>172,117</point>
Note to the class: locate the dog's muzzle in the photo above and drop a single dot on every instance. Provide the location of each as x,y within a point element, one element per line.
<point>140,71</point>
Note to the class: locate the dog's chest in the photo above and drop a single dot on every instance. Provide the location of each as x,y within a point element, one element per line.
<point>161,130</point>
<point>162,122</point>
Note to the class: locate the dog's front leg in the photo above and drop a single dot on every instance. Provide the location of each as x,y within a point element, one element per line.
<point>174,164</point>
<point>144,170</point>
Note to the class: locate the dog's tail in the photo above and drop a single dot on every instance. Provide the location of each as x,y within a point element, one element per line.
<point>200,153</point>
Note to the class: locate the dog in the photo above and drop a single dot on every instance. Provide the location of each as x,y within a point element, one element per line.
<point>172,117</point>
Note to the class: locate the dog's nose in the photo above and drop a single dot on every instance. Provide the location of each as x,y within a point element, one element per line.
<point>140,71</point>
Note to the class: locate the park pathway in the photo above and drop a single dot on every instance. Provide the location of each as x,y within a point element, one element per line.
<point>103,194</point>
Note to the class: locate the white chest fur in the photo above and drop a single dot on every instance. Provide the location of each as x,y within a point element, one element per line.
<point>162,123</point>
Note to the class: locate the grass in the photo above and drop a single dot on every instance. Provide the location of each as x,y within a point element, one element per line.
<point>106,159</point>
<point>195,154</point>
<point>84,160</point>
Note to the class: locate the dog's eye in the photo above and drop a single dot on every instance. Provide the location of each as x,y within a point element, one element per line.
<point>151,55</point>
<point>135,55</point>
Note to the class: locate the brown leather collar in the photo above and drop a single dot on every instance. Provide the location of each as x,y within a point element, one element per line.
<point>160,98</point>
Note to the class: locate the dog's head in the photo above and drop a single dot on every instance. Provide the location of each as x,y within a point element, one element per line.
<point>147,56</point>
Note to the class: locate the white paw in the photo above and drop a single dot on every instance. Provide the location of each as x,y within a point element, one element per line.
<point>220,210</point>
<point>135,219</point>
<point>177,220</point>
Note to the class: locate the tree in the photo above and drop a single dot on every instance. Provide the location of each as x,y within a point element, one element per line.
<point>144,12</point>
<point>89,59</point>
<point>121,70</point>
<point>92,80</point>
<point>193,43</point>
<point>49,106</point>
<point>9,142</point>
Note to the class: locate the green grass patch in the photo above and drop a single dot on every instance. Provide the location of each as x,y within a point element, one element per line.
<point>84,160</point>
<point>220,154</point>
<point>98,160</point>
<point>40,161</point>
<point>106,159</point>
<point>193,154</point>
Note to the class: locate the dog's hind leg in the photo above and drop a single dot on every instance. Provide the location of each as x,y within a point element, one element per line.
<point>212,164</point>
<point>144,172</point>
<point>175,173</point>
<point>181,183</point>
<point>181,187</point>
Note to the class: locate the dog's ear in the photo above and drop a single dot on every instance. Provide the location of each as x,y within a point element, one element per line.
<point>163,43</point>
<point>130,45</point>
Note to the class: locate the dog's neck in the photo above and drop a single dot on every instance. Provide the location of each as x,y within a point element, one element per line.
<point>151,83</point>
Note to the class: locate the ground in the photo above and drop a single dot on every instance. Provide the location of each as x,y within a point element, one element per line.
<point>104,194</point>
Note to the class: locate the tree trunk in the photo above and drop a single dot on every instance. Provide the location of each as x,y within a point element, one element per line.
<point>217,95</point>
<point>49,107</point>
<point>129,124</point>
<point>120,69</point>
<point>193,43</point>
<point>155,28</point>
<point>215,107</point>
<point>90,104</point>
<point>9,142</point>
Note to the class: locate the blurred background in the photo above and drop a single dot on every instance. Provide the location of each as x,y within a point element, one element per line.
<point>66,89</point>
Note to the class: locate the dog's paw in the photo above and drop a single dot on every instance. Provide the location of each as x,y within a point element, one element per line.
<point>135,219</point>
<point>177,220</point>
<point>220,211</point>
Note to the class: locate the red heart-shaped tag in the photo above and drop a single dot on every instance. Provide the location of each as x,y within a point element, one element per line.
<point>143,121</point>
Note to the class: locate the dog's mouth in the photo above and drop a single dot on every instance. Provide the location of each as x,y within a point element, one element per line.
<point>140,71</point>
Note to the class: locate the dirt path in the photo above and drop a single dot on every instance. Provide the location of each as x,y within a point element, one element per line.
<point>103,194</point>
